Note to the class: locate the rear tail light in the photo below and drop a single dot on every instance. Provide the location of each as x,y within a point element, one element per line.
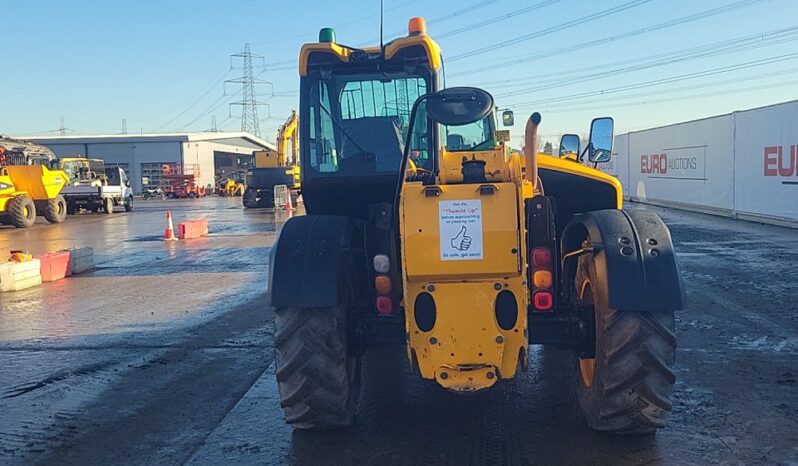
<point>541,257</point>
<point>383,285</point>
<point>384,306</point>
<point>543,301</point>
<point>542,279</point>
<point>382,263</point>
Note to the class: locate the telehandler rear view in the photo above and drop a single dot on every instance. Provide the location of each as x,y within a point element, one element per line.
<point>422,229</point>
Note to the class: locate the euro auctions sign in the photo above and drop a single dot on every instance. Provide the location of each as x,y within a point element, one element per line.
<point>766,162</point>
<point>686,163</point>
<point>742,164</point>
<point>781,164</point>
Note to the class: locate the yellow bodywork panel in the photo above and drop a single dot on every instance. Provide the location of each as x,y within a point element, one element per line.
<point>548,162</point>
<point>496,166</point>
<point>36,181</point>
<point>265,159</point>
<point>342,53</point>
<point>423,40</point>
<point>297,173</point>
<point>7,191</point>
<point>462,246</point>
<point>481,238</point>
<point>466,343</point>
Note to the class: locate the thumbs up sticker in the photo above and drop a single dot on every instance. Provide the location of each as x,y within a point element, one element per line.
<point>460,229</point>
<point>462,241</point>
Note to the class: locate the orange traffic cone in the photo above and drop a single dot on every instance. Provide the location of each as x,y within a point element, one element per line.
<point>288,204</point>
<point>169,233</point>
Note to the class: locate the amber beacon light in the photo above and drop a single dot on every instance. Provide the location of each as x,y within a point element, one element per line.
<point>417,26</point>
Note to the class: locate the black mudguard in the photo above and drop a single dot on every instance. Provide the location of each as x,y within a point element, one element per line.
<point>308,259</point>
<point>634,250</point>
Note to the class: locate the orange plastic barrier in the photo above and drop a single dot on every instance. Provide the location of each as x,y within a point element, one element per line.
<point>192,229</point>
<point>55,265</point>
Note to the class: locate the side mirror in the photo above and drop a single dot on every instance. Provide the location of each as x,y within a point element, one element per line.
<point>569,145</point>
<point>508,118</point>
<point>600,145</point>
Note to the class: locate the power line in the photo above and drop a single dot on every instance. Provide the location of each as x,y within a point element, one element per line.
<point>216,82</point>
<point>692,87</point>
<point>609,39</point>
<point>557,28</point>
<point>661,81</point>
<point>348,23</point>
<point>680,56</point>
<point>467,9</point>
<point>221,100</point>
<point>496,19</point>
<point>676,99</point>
<point>768,38</point>
<point>292,63</point>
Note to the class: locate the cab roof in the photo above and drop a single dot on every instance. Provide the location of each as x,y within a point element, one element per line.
<point>344,54</point>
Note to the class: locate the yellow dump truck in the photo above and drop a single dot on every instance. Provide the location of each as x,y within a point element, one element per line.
<point>30,190</point>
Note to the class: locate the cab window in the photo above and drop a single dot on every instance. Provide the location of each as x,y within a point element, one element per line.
<point>471,137</point>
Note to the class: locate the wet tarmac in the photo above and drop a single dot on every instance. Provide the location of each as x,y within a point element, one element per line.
<point>164,355</point>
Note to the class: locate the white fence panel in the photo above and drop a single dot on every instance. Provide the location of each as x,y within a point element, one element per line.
<point>766,162</point>
<point>618,166</point>
<point>689,164</point>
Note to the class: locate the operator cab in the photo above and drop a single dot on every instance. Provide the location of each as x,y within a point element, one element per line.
<point>355,107</point>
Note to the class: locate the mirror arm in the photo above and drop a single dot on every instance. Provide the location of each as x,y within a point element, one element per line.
<point>584,152</point>
<point>405,157</point>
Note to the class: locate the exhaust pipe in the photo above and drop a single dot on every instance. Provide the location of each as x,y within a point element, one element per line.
<point>531,149</point>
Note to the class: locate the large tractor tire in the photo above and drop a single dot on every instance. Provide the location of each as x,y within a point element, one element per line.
<point>56,209</point>
<point>318,377</point>
<point>250,198</point>
<point>626,388</point>
<point>21,212</point>
<point>266,202</point>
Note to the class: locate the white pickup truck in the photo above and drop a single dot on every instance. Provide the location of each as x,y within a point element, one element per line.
<point>101,192</point>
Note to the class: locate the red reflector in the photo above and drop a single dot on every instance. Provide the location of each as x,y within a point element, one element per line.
<point>541,257</point>
<point>543,301</point>
<point>384,306</point>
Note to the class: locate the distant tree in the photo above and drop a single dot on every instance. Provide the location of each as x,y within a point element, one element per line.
<point>548,148</point>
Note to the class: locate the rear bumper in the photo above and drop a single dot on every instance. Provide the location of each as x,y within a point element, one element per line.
<point>466,349</point>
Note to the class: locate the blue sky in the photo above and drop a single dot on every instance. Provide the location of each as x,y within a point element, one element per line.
<point>161,64</point>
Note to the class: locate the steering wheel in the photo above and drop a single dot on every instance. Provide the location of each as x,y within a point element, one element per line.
<point>419,174</point>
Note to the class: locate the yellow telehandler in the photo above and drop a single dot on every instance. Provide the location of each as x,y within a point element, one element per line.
<point>422,229</point>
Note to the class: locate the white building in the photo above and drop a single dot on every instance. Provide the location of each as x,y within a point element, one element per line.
<point>142,156</point>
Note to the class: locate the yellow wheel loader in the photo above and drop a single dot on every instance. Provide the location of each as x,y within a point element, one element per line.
<point>30,190</point>
<point>423,230</point>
